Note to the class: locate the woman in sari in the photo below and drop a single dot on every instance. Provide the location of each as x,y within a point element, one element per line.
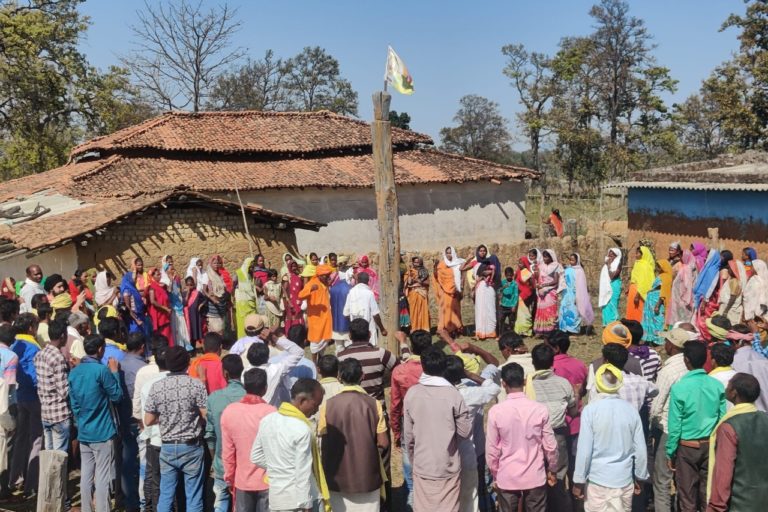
<point>527,298</point>
<point>417,291</point>
<point>756,293</point>
<point>291,288</point>
<point>640,283</point>
<point>576,307</point>
<point>195,303</point>
<point>9,288</point>
<point>141,277</point>
<point>245,294</point>
<point>170,278</point>
<point>364,265</point>
<point>218,297</point>
<point>748,255</point>
<point>447,285</point>
<point>734,280</point>
<point>106,294</point>
<point>556,221</point>
<point>160,305</point>
<point>548,286</point>
<point>675,254</point>
<point>610,286</point>
<point>700,254</point>
<point>484,257</point>
<point>287,259</point>
<point>310,268</point>
<point>681,302</point>
<point>196,271</point>
<point>705,292</point>
<point>136,308</point>
<point>655,304</point>
<point>485,303</point>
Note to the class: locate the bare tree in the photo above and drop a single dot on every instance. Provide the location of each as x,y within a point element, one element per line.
<point>180,51</point>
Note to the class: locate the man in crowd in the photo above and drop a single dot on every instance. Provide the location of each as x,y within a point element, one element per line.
<point>361,303</point>
<point>477,392</point>
<point>52,371</point>
<point>328,367</point>
<point>339,292</point>
<point>94,390</point>
<point>557,394</point>
<point>319,320</point>
<point>177,403</point>
<point>150,436</point>
<point>634,389</point>
<point>25,462</point>
<point>353,431</point>
<point>747,360</point>
<point>722,359</point>
<point>376,361</point>
<point>520,448</point>
<point>208,367</point>
<point>109,328</point>
<point>286,448</point>
<point>696,405</point>
<point>255,328</point>
<point>435,419</point>
<point>217,402</point>
<point>513,350</point>
<point>611,454</point>
<point>671,371</point>
<point>278,373</point>
<point>133,361</point>
<point>405,376</point>
<point>240,424</point>
<point>31,287</point>
<point>737,451</point>
<point>79,327</point>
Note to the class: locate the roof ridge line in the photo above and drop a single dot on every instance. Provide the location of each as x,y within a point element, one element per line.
<point>108,162</point>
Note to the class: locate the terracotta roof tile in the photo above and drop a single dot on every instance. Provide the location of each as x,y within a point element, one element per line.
<point>245,133</point>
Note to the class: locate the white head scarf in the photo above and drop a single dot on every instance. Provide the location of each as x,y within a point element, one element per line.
<point>201,278</point>
<point>455,265</point>
<point>756,291</point>
<point>103,290</point>
<point>606,292</point>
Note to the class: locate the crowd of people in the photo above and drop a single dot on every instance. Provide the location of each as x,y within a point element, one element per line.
<point>171,390</point>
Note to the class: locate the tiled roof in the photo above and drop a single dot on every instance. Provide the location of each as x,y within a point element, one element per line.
<point>248,132</point>
<point>50,231</point>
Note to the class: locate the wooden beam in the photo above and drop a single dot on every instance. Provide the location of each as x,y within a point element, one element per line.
<point>386,213</point>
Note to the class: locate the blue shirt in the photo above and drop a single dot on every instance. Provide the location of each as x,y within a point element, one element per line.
<point>339,293</point>
<point>26,375</point>
<point>112,351</point>
<point>92,391</point>
<point>130,365</point>
<point>304,370</point>
<point>611,443</point>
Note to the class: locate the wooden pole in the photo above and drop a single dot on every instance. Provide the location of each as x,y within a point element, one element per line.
<point>386,213</point>
<point>245,222</point>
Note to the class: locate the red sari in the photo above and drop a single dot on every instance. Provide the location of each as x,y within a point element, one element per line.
<point>295,316</point>
<point>161,320</point>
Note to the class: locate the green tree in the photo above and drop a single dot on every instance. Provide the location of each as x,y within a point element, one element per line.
<point>49,95</point>
<point>401,120</point>
<point>698,126</point>
<point>480,131</point>
<point>257,85</point>
<point>314,82</point>
<point>531,75</point>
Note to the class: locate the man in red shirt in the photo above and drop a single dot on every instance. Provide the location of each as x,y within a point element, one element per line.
<point>404,376</point>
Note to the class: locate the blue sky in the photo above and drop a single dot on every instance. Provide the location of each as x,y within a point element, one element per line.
<point>452,48</point>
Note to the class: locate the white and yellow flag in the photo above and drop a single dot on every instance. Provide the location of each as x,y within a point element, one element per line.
<point>397,74</point>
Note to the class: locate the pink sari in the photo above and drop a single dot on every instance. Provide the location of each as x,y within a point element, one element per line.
<point>681,304</point>
<point>294,316</point>
<point>373,282</point>
<point>700,252</point>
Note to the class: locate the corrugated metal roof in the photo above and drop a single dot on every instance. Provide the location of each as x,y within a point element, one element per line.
<point>686,185</point>
<point>35,206</point>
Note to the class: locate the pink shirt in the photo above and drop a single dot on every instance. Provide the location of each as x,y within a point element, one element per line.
<point>239,426</point>
<point>574,371</point>
<point>518,442</point>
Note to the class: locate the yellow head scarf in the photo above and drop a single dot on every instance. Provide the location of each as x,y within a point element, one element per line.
<point>602,385</point>
<point>643,273</point>
<point>616,332</point>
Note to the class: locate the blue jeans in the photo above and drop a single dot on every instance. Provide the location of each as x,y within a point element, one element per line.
<point>185,461</point>
<point>407,474</point>
<point>129,467</point>
<point>222,495</point>
<point>56,436</point>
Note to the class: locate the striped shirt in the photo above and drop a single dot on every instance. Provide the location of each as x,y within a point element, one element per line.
<point>651,363</point>
<point>375,362</point>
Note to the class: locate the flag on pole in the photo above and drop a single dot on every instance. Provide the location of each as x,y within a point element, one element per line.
<point>397,74</point>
